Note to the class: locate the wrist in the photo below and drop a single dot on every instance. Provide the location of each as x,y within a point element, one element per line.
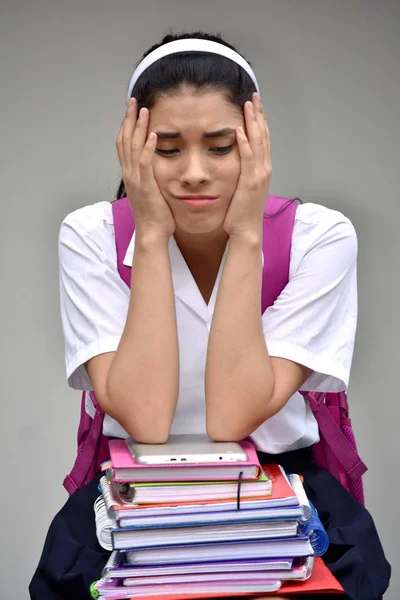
<point>150,240</point>
<point>246,239</point>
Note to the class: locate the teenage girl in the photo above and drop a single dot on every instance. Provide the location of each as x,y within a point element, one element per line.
<point>186,348</point>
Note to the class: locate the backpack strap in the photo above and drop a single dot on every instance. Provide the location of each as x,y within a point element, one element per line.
<point>277,233</point>
<point>90,442</point>
<point>345,453</point>
<point>124,226</point>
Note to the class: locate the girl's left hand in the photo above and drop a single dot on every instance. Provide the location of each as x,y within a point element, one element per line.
<point>245,213</point>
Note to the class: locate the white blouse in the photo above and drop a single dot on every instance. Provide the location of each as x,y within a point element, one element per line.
<point>313,322</point>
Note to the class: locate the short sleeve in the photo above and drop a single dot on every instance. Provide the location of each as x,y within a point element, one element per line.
<point>93,298</point>
<point>313,321</point>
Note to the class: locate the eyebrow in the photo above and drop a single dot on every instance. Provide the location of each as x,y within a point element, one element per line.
<point>170,135</point>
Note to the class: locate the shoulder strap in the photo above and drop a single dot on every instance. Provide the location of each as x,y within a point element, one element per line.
<point>277,234</point>
<point>92,447</point>
<point>124,226</point>
<point>332,432</point>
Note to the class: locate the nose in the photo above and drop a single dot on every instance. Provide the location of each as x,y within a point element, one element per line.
<point>194,171</point>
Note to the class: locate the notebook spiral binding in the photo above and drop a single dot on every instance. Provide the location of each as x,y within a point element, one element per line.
<point>315,530</point>
<point>104,524</point>
<point>108,497</point>
<point>115,559</point>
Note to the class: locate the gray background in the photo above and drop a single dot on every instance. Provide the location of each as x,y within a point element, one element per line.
<point>330,86</point>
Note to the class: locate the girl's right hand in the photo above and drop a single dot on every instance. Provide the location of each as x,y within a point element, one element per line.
<point>135,152</point>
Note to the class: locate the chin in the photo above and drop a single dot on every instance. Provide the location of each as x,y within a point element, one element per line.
<point>201,221</point>
<point>199,225</point>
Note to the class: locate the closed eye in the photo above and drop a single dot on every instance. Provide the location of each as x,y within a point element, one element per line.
<point>222,149</point>
<point>216,150</point>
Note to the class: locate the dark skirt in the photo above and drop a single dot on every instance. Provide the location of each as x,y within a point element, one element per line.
<point>72,558</point>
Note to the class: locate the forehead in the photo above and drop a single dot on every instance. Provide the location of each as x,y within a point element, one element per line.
<point>194,110</point>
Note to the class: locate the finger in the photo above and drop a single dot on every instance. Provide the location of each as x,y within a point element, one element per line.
<point>264,131</point>
<point>126,133</point>
<point>262,125</point>
<point>268,137</point>
<point>268,154</point>
<point>118,144</point>
<point>254,133</point>
<point>140,137</point>
<point>247,169</point>
<point>146,163</point>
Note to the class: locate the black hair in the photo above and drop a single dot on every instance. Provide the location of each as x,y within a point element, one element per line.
<point>201,70</point>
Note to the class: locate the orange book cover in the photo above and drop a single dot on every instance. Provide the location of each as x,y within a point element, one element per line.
<point>321,581</point>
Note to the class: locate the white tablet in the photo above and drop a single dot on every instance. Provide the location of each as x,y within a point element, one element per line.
<point>187,448</point>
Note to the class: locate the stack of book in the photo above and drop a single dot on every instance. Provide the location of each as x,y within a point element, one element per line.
<point>203,530</point>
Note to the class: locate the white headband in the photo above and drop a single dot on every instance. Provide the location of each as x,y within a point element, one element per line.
<point>190,45</point>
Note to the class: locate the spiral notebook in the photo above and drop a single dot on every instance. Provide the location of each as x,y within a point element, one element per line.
<point>243,515</point>
<point>114,590</point>
<point>301,573</point>
<point>321,580</point>
<point>288,547</point>
<point>147,493</point>
<point>154,530</point>
<point>117,567</point>
<point>104,524</point>
<point>157,537</point>
<point>189,491</point>
<point>282,495</point>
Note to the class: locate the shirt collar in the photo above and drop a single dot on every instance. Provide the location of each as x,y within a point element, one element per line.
<point>185,287</point>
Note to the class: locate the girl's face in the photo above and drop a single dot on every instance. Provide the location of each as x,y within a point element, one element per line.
<point>196,155</point>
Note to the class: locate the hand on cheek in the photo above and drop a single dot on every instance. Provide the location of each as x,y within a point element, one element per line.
<point>136,146</point>
<point>245,213</point>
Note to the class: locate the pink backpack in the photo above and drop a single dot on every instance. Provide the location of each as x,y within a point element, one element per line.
<point>336,451</point>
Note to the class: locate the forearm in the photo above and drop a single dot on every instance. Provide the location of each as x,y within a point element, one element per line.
<point>239,378</point>
<point>143,381</point>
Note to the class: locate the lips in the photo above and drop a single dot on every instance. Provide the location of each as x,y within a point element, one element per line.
<point>198,201</point>
<point>196,197</point>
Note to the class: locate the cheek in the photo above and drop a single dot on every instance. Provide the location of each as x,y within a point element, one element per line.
<point>231,169</point>
<point>161,171</point>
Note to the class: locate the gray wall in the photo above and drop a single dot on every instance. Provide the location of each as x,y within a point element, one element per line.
<point>330,87</point>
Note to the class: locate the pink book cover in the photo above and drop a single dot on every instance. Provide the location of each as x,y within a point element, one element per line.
<point>122,460</point>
